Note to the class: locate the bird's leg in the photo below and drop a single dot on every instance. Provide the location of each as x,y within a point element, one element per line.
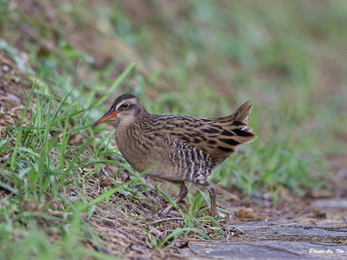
<point>180,197</point>
<point>212,191</point>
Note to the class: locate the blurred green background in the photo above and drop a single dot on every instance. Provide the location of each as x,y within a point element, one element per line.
<point>203,58</point>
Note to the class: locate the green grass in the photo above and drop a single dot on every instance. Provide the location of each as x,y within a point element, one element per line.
<point>202,59</point>
<point>35,178</point>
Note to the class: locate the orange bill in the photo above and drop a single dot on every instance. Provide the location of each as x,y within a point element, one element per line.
<point>109,115</point>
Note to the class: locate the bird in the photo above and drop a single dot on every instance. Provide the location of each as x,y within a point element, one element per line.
<point>177,148</point>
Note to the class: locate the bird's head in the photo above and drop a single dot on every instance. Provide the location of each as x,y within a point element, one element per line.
<point>125,107</point>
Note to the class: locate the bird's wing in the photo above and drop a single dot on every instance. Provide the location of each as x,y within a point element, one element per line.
<point>218,137</point>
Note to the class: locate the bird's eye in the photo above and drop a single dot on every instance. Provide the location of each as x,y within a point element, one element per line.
<point>125,106</point>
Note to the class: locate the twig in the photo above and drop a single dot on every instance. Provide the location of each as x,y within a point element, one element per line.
<point>164,219</point>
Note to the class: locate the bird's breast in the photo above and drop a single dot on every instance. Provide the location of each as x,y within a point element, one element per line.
<point>170,158</point>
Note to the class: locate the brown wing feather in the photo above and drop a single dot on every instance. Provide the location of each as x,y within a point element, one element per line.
<point>219,137</point>
<point>241,114</point>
